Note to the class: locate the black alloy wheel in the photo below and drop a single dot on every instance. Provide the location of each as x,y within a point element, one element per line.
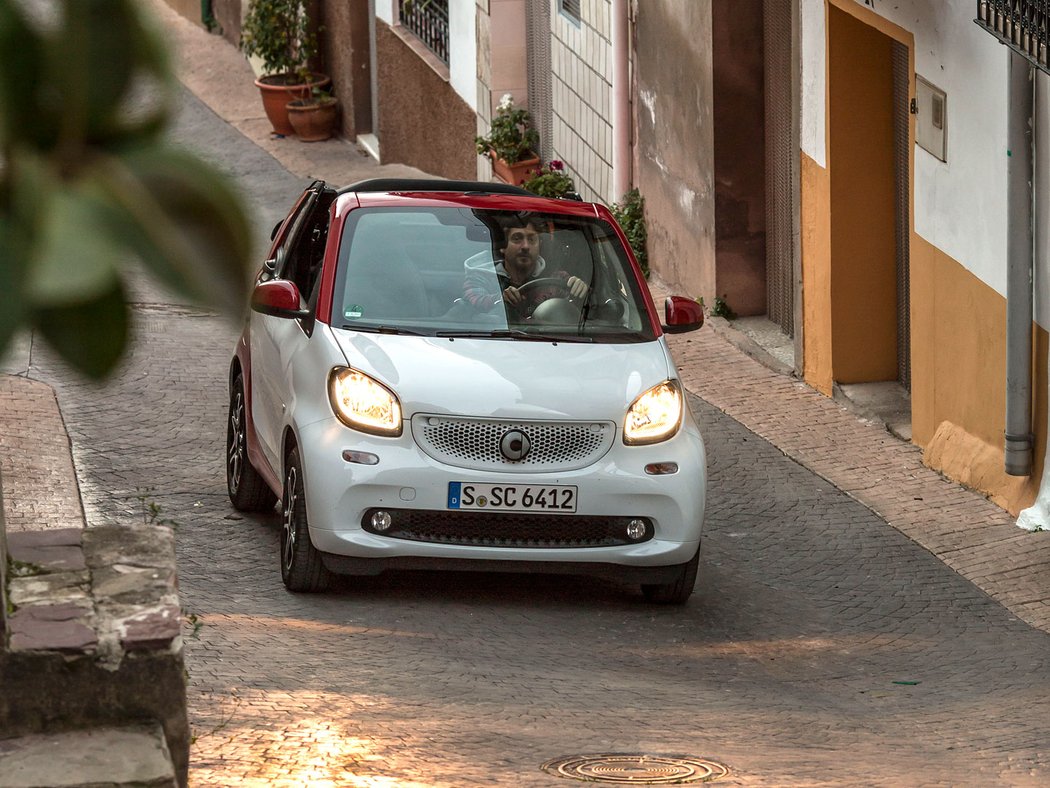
<point>678,590</point>
<point>248,491</point>
<point>301,566</point>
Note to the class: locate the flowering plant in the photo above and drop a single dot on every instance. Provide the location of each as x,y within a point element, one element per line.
<point>549,181</point>
<point>511,136</point>
<point>279,32</point>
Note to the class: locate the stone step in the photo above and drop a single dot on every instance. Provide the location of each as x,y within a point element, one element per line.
<point>104,756</point>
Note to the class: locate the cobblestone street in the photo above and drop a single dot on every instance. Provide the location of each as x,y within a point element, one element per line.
<point>823,645</point>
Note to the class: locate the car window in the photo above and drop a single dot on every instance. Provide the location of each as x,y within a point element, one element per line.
<point>302,263</point>
<point>447,270</point>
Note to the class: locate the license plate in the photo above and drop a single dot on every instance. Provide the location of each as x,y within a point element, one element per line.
<point>551,499</point>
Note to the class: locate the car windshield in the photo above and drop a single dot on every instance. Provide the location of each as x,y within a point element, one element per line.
<point>451,271</point>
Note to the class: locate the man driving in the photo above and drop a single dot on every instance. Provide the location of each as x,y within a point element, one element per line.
<point>521,265</point>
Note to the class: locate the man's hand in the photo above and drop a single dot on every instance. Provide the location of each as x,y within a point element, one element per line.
<point>577,287</point>
<point>512,296</point>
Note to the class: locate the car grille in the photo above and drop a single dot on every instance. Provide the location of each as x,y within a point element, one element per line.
<point>475,443</point>
<point>490,529</point>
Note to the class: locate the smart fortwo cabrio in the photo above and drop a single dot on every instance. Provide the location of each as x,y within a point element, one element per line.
<point>458,375</point>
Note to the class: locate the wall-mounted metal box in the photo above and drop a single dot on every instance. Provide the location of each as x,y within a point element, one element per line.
<point>931,118</point>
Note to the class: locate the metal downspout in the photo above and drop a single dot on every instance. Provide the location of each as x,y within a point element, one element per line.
<point>621,100</point>
<point>1020,259</point>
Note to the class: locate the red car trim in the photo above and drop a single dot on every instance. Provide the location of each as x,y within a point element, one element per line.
<point>654,316</point>
<point>338,211</point>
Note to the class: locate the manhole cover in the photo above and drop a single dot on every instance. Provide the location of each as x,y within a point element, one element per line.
<point>636,769</point>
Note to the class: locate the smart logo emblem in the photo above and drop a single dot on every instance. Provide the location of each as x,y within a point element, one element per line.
<point>514,445</point>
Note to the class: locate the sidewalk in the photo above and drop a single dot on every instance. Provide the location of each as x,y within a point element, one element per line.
<point>964,530</point>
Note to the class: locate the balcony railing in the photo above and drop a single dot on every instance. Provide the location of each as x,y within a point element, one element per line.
<point>1023,25</point>
<point>428,20</point>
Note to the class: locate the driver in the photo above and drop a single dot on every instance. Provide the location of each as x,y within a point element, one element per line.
<point>521,264</point>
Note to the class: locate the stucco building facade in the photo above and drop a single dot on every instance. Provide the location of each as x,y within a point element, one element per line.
<point>838,167</point>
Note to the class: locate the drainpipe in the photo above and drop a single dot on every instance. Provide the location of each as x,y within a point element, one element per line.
<point>621,100</point>
<point>1020,259</point>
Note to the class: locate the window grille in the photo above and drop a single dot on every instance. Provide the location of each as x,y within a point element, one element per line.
<point>428,20</point>
<point>1023,25</point>
<point>571,8</point>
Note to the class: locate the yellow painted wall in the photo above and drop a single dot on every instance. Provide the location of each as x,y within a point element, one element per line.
<point>958,323</point>
<point>958,398</point>
<point>815,218</point>
<point>863,197</point>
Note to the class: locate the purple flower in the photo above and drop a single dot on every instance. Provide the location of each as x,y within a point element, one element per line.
<point>555,165</point>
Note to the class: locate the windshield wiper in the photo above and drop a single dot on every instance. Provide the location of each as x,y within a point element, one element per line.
<point>513,333</point>
<point>383,330</point>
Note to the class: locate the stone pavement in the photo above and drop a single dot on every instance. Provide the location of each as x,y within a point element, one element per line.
<point>822,647</point>
<point>39,484</point>
<point>961,527</point>
<point>973,536</point>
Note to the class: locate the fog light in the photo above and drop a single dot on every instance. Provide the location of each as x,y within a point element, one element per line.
<point>381,521</point>
<point>360,457</point>
<point>661,468</point>
<point>636,529</point>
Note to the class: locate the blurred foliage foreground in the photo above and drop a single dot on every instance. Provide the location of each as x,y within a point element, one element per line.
<point>88,184</point>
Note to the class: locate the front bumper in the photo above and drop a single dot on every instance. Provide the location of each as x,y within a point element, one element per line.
<point>339,493</point>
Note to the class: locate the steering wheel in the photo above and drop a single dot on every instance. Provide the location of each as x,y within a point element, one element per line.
<point>547,281</point>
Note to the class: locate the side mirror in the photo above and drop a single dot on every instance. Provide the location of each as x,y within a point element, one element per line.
<point>276,229</point>
<point>278,298</point>
<point>681,315</point>
<point>267,271</point>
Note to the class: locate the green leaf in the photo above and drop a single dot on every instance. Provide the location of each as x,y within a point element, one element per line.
<point>89,336</point>
<point>152,81</point>
<point>76,257</point>
<point>21,55</point>
<point>184,221</point>
<point>95,47</point>
<point>12,304</point>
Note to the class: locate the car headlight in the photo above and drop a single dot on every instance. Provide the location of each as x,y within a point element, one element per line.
<point>654,416</point>
<point>364,403</point>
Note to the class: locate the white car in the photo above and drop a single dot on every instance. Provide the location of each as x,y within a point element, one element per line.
<point>441,374</point>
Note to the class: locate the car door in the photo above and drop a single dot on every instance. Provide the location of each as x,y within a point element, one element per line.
<point>296,256</point>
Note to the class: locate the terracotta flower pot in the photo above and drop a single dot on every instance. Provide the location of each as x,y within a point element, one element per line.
<point>515,174</point>
<point>313,121</point>
<point>278,89</point>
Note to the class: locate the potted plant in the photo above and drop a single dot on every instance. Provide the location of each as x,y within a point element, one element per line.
<point>549,181</point>
<point>278,32</point>
<point>511,142</point>
<point>314,118</point>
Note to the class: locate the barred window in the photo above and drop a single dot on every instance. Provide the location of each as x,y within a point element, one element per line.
<point>571,8</point>
<point>1023,25</point>
<point>428,20</point>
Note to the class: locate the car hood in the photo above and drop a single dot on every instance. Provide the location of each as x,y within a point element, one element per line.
<point>502,378</point>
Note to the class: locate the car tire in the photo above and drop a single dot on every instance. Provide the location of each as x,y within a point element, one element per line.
<point>301,566</point>
<point>247,489</point>
<point>678,590</point>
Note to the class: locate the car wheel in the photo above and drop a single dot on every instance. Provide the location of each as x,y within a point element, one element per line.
<point>301,566</point>
<point>678,590</point>
<point>248,492</point>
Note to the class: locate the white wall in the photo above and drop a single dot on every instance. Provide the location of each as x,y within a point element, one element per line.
<point>814,46</point>
<point>386,10</point>
<point>1042,200</point>
<point>960,206</point>
<point>463,50</point>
